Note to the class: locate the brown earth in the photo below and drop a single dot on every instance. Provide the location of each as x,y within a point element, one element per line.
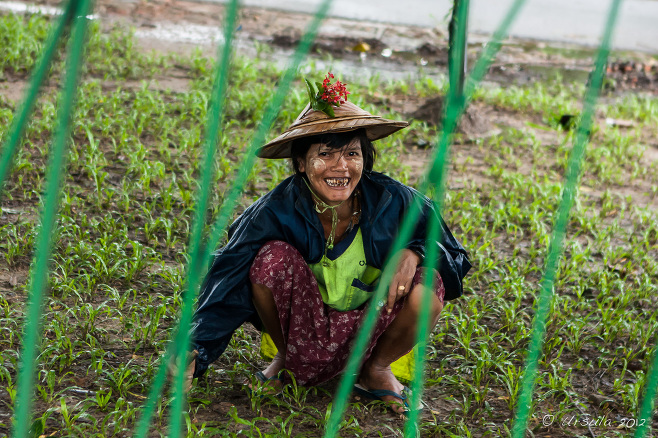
<point>519,61</point>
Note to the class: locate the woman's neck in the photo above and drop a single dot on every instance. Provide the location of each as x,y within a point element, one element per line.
<point>345,210</point>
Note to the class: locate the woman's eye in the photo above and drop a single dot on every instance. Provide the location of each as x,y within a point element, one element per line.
<point>323,154</point>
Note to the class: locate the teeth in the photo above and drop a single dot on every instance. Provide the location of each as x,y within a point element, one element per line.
<point>337,182</point>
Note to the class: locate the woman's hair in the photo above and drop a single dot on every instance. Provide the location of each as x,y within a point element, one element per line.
<point>333,140</point>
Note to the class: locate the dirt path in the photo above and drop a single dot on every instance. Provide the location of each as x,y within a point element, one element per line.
<point>392,51</point>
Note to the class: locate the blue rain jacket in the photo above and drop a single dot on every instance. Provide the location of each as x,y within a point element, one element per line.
<point>286,213</point>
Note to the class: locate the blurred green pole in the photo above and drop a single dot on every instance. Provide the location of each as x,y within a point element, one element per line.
<point>39,271</point>
<point>555,249</point>
<point>271,112</point>
<point>195,248</point>
<point>645,415</point>
<point>454,101</point>
<point>274,106</point>
<point>411,429</point>
<point>19,122</point>
<point>433,173</point>
<point>458,46</point>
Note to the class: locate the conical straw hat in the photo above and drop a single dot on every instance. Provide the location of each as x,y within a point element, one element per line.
<point>349,117</point>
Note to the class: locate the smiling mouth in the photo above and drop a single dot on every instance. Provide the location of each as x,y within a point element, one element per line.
<point>337,182</point>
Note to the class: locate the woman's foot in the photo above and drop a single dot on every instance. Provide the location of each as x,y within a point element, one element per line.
<point>190,366</point>
<point>375,377</point>
<point>269,377</point>
<point>189,375</point>
<point>274,368</point>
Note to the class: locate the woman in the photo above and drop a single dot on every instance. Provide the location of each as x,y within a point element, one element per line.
<point>303,260</point>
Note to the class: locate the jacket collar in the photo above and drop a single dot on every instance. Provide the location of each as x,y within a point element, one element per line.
<point>304,203</point>
<point>376,197</point>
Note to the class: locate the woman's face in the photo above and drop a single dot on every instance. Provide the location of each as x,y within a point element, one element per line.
<point>333,173</point>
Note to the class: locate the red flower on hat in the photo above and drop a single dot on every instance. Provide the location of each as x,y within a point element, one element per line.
<point>335,94</point>
<point>327,94</point>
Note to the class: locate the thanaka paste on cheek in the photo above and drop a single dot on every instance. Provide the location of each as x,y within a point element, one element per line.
<point>317,166</point>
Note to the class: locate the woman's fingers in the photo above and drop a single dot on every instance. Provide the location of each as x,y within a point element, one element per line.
<point>401,284</point>
<point>399,288</point>
<point>392,296</point>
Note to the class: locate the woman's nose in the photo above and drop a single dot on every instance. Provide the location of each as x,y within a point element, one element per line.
<point>341,162</point>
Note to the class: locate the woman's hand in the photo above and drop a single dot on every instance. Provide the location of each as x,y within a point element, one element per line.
<point>404,275</point>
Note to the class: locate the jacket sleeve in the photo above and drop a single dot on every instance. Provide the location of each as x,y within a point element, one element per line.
<point>453,263</point>
<point>224,302</point>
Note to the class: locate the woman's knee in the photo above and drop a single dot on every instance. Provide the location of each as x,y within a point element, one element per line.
<point>417,300</point>
<point>416,296</point>
<point>275,256</point>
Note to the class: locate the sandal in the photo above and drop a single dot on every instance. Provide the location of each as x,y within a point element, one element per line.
<point>378,394</point>
<point>265,387</point>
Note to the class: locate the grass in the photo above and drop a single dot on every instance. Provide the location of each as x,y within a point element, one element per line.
<point>117,269</point>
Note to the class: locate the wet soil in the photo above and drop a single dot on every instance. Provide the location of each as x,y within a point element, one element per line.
<point>390,50</point>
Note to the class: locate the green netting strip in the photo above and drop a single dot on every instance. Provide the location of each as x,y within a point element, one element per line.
<point>197,261</point>
<point>454,99</point>
<point>559,229</point>
<point>456,108</point>
<point>197,258</point>
<point>433,235</point>
<point>214,121</point>
<point>39,271</point>
<point>182,335</point>
<point>645,416</point>
<point>271,113</point>
<point>19,122</point>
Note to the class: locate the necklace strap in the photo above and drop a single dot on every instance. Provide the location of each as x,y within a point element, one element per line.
<point>321,207</point>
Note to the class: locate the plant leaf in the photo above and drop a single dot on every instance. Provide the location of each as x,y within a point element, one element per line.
<point>328,110</point>
<point>311,93</point>
<point>36,430</point>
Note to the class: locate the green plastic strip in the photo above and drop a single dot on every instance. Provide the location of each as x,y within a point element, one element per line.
<point>646,409</point>
<point>182,337</point>
<point>19,123</point>
<point>39,271</point>
<point>271,113</point>
<point>197,256</point>
<point>559,229</point>
<point>250,154</point>
<point>433,174</point>
<point>417,385</point>
<point>454,99</point>
<point>214,121</point>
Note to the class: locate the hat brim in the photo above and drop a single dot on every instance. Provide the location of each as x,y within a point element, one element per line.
<point>311,123</point>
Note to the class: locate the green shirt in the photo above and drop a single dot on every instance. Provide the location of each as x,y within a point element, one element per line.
<point>346,282</point>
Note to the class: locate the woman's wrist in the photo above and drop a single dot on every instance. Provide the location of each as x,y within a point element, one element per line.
<point>410,255</point>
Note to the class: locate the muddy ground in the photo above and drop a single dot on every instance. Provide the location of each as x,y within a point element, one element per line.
<point>391,50</point>
<point>367,47</point>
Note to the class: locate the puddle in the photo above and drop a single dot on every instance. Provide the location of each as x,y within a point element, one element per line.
<point>567,74</point>
<point>383,63</point>
<point>186,33</point>
<point>22,8</point>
